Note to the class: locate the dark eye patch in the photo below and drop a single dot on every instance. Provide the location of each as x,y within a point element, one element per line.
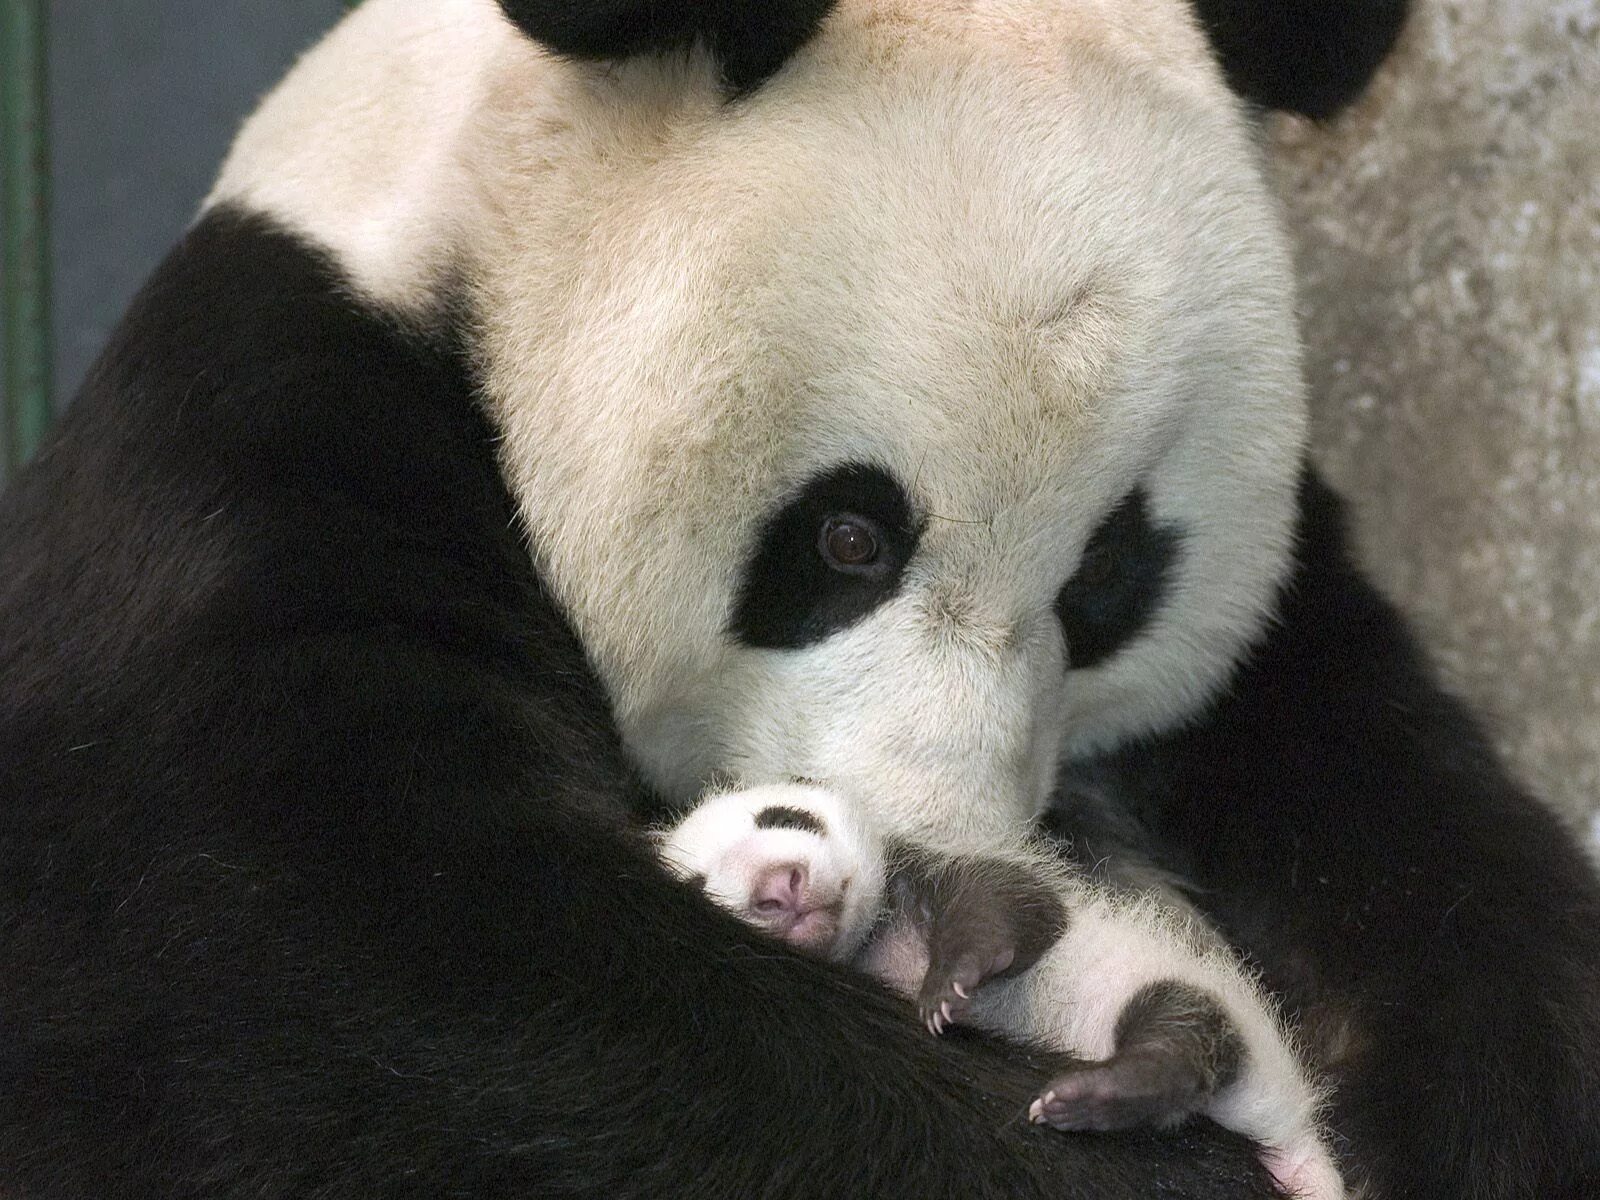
<point>791,596</point>
<point>1120,582</point>
<point>785,816</point>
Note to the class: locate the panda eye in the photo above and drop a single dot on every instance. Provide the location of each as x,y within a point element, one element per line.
<point>820,563</point>
<point>848,542</point>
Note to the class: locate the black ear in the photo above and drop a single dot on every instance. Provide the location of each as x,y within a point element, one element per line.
<point>1305,56</point>
<point>750,39</point>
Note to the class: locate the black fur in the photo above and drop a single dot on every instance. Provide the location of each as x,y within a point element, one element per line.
<point>783,816</point>
<point>790,596</point>
<point>749,40</point>
<point>1120,582</point>
<point>982,919</point>
<point>1435,931</point>
<point>316,869</point>
<point>1306,56</point>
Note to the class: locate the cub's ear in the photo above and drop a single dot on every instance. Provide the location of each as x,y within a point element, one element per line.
<point>1305,56</point>
<point>750,39</point>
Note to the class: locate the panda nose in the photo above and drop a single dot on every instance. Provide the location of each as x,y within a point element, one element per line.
<point>784,902</point>
<point>780,890</point>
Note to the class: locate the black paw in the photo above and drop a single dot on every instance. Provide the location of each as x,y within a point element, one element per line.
<point>981,919</point>
<point>1176,1049</point>
<point>947,988</point>
<point>1133,1090</point>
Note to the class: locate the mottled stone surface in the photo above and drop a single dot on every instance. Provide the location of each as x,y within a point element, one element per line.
<point>1449,234</point>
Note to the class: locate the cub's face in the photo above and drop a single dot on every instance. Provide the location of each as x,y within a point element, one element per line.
<point>815,402</point>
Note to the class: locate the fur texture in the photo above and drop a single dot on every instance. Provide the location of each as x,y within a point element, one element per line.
<point>1308,56</point>
<point>1435,931</point>
<point>404,521</point>
<point>317,868</point>
<point>748,41</point>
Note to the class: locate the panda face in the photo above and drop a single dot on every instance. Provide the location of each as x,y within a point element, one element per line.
<point>997,291</point>
<point>975,303</point>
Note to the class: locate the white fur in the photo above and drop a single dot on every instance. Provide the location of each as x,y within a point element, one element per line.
<point>360,147</point>
<point>1019,254</point>
<point>1019,317</point>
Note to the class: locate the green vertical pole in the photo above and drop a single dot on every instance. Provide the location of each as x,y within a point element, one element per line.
<point>25,138</point>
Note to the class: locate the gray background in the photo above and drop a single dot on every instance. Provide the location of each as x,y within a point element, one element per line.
<point>145,96</point>
<point>1449,234</point>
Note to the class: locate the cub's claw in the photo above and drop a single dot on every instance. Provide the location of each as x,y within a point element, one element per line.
<point>947,989</point>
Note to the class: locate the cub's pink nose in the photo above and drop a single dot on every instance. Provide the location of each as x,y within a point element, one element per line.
<point>785,902</point>
<point>780,890</point>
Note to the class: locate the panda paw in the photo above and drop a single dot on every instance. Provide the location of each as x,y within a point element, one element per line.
<point>982,919</point>
<point>1128,1091</point>
<point>947,989</point>
<point>793,860</point>
<point>1176,1049</point>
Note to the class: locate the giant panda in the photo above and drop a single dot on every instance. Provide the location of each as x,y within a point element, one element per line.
<point>448,503</point>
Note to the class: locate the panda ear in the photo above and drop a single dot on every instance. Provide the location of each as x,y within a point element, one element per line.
<point>750,39</point>
<point>1305,56</point>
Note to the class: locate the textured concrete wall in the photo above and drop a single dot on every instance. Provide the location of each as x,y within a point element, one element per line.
<point>1449,235</point>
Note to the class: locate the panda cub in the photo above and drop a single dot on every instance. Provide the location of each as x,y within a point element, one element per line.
<point>1166,1022</point>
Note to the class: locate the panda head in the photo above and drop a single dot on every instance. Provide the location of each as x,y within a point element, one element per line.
<point>901,394</point>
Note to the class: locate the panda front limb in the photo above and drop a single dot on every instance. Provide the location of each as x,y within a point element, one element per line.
<point>1169,1025</point>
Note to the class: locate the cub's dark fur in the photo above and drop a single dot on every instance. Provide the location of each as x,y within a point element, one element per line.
<point>980,919</point>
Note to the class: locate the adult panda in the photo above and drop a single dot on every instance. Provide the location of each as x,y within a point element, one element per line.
<point>321,873</point>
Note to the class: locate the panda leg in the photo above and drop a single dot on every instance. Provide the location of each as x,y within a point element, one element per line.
<point>1171,1026</point>
<point>1176,1049</point>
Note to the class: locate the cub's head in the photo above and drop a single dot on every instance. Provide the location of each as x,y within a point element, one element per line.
<point>899,394</point>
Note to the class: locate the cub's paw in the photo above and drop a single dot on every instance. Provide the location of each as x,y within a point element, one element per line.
<point>1179,1054</point>
<point>983,919</point>
<point>1175,1050</point>
<point>793,860</point>
<point>1168,1025</point>
<point>958,966</point>
<point>1127,1091</point>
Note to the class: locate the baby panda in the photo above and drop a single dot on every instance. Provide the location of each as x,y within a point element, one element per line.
<point>1165,1020</point>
